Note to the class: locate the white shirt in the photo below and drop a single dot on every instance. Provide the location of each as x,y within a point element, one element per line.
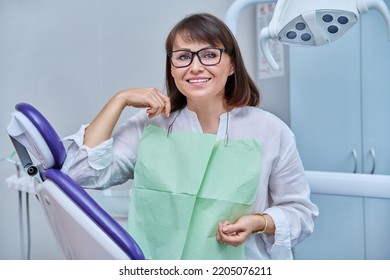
<point>283,191</point>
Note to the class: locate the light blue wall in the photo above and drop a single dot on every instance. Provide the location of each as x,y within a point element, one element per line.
<point>67,57</point>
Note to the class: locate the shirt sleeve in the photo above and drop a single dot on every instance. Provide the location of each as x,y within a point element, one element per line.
<point>291,207</point>
<point>108,164</point>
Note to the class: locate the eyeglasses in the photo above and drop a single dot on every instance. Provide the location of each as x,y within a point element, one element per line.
<point>206,56</point>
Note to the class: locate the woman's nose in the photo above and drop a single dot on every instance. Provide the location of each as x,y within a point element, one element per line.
<point>196,65</point>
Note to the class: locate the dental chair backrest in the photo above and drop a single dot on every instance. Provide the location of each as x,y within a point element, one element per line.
<point>82,229</point>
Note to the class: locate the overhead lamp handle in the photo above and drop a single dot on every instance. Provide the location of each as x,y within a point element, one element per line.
<point>231,20</point>
<point>365,5</point>
<point>233,13</point>
<point>265,37</point>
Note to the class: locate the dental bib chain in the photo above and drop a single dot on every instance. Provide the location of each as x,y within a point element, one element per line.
<point>226,140</point>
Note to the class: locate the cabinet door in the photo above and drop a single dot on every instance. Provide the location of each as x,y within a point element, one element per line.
<point>377,228</point>
<point>326,103</point>
<point>338,231</point>
<point>376,93</point>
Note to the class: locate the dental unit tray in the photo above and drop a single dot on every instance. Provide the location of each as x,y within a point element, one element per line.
<point>82,229</point>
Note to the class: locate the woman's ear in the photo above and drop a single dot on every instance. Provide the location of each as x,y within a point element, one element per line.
<point>232,70</point>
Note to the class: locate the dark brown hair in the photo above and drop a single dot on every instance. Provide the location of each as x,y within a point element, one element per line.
<point>240,90</point>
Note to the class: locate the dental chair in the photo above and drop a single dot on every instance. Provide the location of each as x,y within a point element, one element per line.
<point>81,227</point>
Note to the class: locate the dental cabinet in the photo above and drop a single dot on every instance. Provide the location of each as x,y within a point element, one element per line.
<point>340,94</point>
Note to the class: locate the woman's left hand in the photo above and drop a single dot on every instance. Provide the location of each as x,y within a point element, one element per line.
<point>235,234</point>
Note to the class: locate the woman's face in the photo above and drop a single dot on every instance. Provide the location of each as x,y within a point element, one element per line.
<point>197,81</point>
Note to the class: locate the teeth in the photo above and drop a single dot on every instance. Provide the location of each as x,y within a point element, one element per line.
<point>198,80</point>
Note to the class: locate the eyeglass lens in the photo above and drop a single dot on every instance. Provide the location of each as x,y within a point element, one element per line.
<point>207,56</point>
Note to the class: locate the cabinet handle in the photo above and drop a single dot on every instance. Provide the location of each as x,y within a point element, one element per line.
<point>372,153</point>
<point>354,154</point>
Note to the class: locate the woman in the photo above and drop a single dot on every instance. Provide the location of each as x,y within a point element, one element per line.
<point>215,177</point>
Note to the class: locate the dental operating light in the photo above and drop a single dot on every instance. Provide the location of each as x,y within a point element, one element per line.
<point>309,22</point>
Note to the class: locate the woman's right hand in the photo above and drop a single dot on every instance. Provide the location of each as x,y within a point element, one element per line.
<point>153,99</point>
<point>100,129</point>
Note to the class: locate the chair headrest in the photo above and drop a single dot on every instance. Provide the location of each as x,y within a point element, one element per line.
<point>32,130</point>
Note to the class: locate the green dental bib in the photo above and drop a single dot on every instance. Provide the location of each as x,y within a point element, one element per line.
<point>184,185</point>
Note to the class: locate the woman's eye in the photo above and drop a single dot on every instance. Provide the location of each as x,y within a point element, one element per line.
<point>184,57</point>
<point>209,55</point>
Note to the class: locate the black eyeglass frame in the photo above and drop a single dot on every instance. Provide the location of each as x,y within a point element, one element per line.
<point>221,50</point>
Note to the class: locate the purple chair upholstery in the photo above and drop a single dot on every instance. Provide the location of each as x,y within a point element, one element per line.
<point>95,212</point>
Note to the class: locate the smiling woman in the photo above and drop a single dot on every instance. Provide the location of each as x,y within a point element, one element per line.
<point>201,80</point>
<point>61,57</point>
<point>239,88</point>
<point>203,150</point>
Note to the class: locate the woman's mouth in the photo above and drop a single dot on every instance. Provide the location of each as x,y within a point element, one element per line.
<point>197,81</point>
